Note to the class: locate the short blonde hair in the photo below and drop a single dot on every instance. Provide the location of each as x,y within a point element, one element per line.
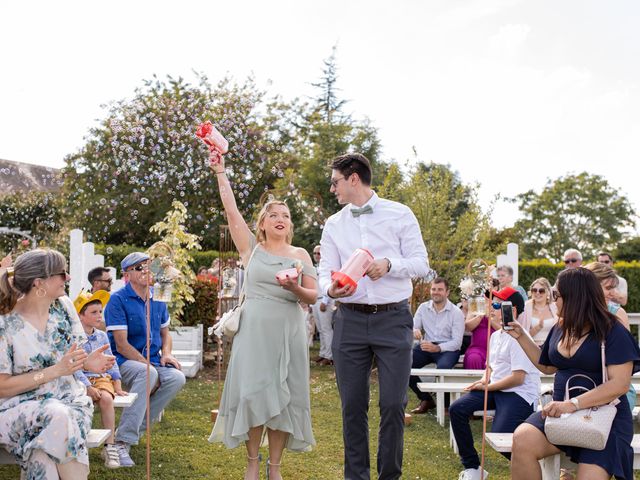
<point>603,272</point>
<point>545,283</point>
<point>260,236</point>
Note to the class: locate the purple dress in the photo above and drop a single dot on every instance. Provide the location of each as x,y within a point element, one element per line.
<point>476,355</point>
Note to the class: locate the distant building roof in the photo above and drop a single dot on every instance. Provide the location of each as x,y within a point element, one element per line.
<point>18,176</point>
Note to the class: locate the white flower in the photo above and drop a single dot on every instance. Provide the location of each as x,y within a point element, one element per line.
<point>467,287</point>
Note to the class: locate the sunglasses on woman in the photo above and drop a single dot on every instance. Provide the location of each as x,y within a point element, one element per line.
<point>538,290</point>
<point>62,274</point>
<point>556,295</point>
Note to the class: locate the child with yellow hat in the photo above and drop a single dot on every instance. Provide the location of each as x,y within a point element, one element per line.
<point>102,388</point>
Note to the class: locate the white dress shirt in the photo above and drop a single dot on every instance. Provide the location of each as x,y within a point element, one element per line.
<point>392,232</point>
<point>445,327</point>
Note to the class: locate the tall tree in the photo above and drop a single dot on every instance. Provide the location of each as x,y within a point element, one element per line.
<point>576,211</point>
<point>144,154</point>
<point>322,131</point>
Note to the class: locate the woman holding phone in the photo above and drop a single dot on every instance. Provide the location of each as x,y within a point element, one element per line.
<point>574,347</point>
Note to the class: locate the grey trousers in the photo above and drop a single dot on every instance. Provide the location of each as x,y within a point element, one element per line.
<point>358,338</point>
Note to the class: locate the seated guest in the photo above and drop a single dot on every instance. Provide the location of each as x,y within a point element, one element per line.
<point>463,305</point>
<point>475,357</point>
<point>101,387</point>
<point>505,279</point>
<point>100,279</point>
<point>540,312</point>
<point>45,413</point>
<point>125,316</point>
<point>443,325</point>
<point>619,294</point>
<point>513,389</point>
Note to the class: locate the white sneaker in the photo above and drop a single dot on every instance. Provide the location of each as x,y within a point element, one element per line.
<point>472,474</point>
<point>111,456</point>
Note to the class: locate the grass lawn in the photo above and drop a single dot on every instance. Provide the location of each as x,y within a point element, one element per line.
<point>180,450</point>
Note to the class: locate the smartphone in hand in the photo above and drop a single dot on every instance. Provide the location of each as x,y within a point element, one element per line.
<point>507,315</point>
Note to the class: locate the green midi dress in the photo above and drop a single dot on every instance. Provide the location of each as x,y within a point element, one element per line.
<point>267,380</point>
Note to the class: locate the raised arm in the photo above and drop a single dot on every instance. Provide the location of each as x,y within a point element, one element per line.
<point>240,232</point>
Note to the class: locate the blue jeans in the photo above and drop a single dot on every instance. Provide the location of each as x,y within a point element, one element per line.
<point>422,358</point>
<point>511,410</point>
<point>133,421</point>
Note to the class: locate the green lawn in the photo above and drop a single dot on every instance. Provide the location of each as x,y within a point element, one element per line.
<point>180,450</point>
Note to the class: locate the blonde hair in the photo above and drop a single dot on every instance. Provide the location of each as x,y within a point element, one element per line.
<point>38,263</point>
<point>603,272</point>
<point>260,236</point>
<point>546,284</point>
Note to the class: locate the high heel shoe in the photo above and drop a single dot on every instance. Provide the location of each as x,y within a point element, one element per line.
<point>257,458</point>
<point>270,463</point>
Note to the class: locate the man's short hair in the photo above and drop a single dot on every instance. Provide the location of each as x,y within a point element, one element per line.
<point>351,163</point>
<point>572,251</point>
<point>96,273</point>
<point>604,254</point>
<point>441,280</point>
<point>506,268</point>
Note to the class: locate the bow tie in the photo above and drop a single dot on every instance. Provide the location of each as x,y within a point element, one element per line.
<point>356,212</point>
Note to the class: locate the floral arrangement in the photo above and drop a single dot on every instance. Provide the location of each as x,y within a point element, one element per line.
<point>477,280</point>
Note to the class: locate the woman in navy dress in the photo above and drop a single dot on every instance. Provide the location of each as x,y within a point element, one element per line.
<point>573,347</point>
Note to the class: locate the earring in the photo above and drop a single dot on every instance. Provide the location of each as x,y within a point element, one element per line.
<point>40,292</point>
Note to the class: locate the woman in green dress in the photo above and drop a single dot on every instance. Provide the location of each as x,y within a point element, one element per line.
<point>267,382</point>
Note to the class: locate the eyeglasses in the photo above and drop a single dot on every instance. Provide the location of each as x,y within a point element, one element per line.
<point>62,274</point>
<point>140,268</point>
<point>556,294</point>
<point>606,262</point>
<point>571,260</point>
<point>108,280</point>
<point>496,305</point>
<point>538,290</point>
<point>334,181</point>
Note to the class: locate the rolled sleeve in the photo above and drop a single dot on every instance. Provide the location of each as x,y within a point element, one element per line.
<point>115,317</point>
<point>418,317</point>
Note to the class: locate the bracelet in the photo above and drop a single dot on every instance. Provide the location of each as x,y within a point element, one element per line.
<point>38,377</point>
<point>220,173</point>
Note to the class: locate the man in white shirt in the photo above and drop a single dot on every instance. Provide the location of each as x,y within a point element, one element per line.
<point>323,314</point>
<point>373,320</point>
<point>620,293</point>
<point>443,326</point>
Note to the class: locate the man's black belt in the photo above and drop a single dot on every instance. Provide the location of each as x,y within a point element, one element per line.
<point>367,308</point>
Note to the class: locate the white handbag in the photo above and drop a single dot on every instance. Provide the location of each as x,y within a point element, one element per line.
<point>229,323</point>
<point>587,427</point>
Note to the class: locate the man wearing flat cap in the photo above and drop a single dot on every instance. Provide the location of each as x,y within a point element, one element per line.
<point>125,317</point>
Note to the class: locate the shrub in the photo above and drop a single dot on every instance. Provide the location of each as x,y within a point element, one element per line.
<point>204,308</point>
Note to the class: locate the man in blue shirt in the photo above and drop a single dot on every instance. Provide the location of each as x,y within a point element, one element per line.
<point>125,317</point>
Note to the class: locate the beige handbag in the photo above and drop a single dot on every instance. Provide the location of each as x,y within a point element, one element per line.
<point>587,427</point>
<point>229,323</point>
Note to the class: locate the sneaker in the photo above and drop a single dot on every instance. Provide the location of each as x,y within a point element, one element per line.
<point>472,474</point>
<point>123,454</point>
<point>111,456</point>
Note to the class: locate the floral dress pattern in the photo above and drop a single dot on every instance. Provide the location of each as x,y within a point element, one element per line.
<point>56,416</point>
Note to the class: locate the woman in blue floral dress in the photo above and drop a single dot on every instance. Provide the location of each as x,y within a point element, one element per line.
<point>45,414</point>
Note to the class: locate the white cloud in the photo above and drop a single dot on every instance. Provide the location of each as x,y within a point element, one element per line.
<point>509,39</point>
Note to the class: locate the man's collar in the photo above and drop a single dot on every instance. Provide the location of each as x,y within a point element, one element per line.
<point>372,201</point>
<point>447,306</point>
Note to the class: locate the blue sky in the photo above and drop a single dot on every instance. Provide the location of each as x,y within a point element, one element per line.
<point>508,92</point>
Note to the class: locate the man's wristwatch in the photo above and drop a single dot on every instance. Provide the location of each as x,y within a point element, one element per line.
<point>575,401</point>
<point>389,267</point>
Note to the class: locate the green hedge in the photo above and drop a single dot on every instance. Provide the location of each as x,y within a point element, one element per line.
<point>205,307</point>
<point>113,255</point>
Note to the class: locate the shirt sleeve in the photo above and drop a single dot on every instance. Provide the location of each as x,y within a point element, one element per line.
<point>6,351</point>
<point>414,262</point>
<point>621,347</point>
<point>165,317</point>
<point>417,317</point>
<point>329,258</point>
<point>82,378</point>
<point>457,332</point>
<point>113,371</point>
<point>115,316</point>
<point>622,287</point>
